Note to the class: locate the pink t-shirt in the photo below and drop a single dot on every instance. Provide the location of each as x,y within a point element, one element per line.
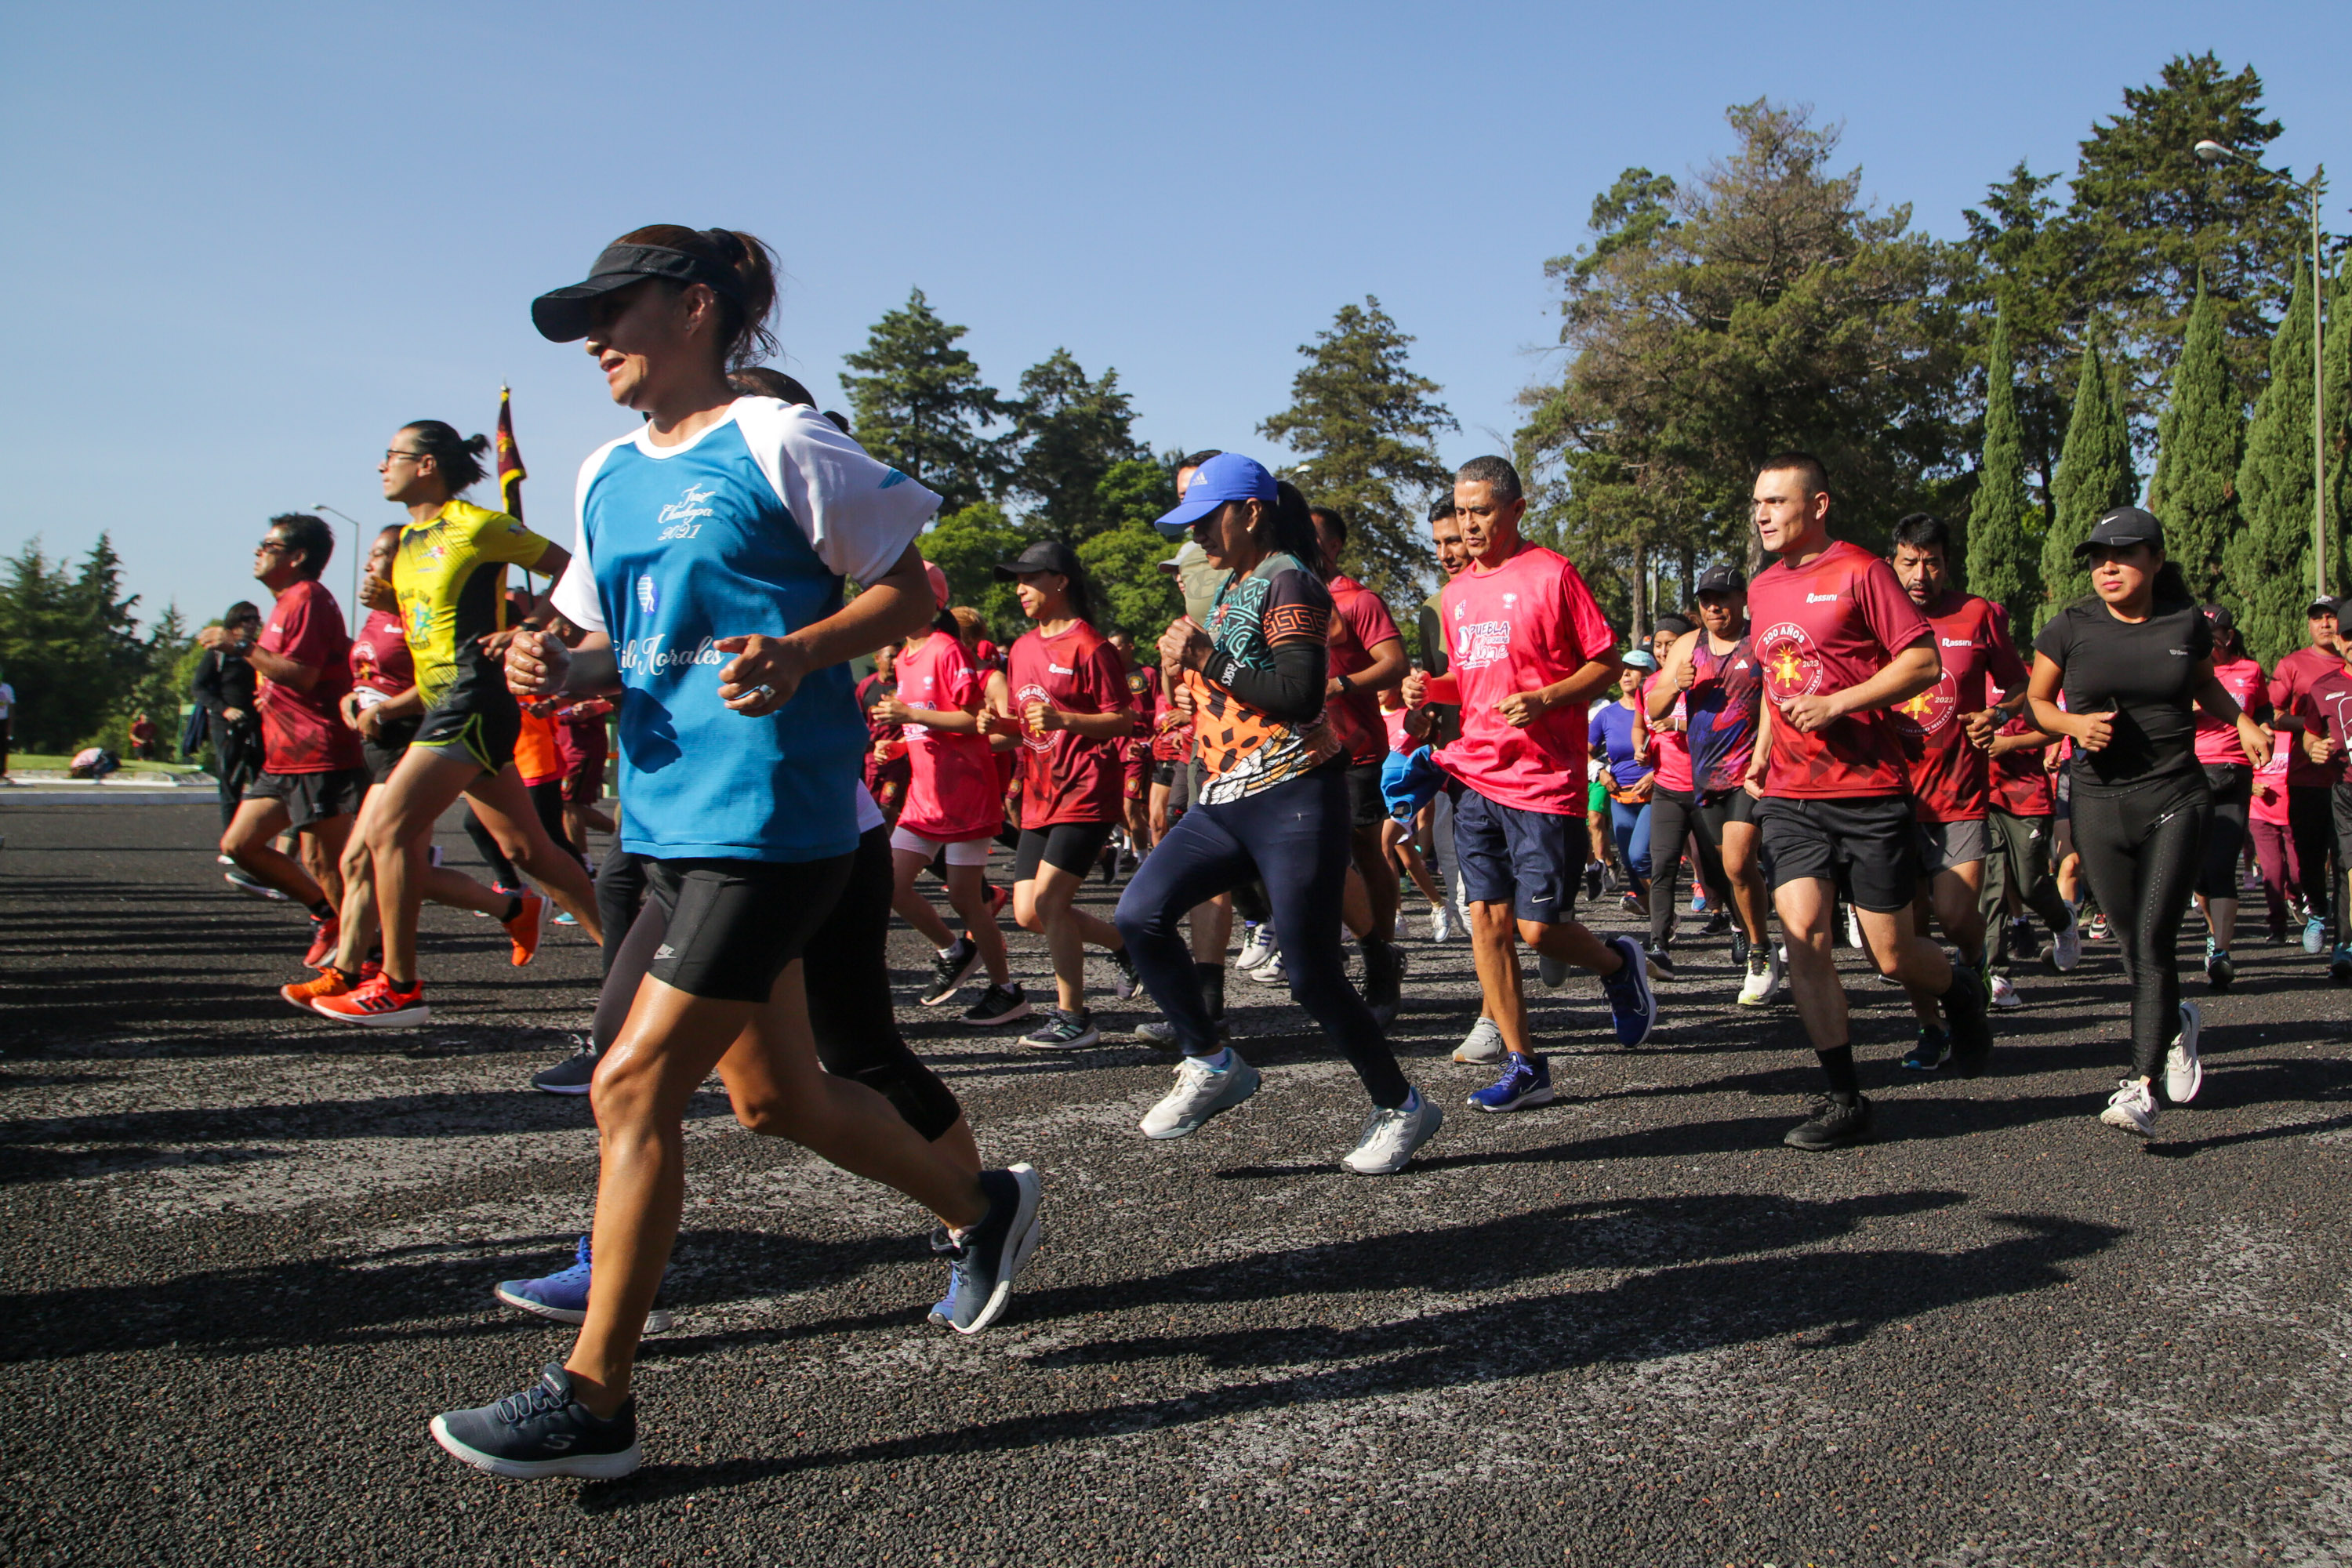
<point>2242,678</point>
<point>2270,797</point>
<point>952,794</point>
<point>1670,740</point>
<point>1824,626</point>
<point>1524,625</point>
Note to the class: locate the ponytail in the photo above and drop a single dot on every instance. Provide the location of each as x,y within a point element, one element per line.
<point>1294,530</point>
<point>456,458</point>
<point>745,304</point>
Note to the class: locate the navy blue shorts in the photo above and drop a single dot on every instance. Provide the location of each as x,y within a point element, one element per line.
<point>1530,859</point>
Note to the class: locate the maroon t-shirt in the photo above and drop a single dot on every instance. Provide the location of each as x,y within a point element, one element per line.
<point>1949,780</point>
<point>380,657</point>
<point>2020,785</point>
<point>1066,776</point>
<point>1824,626</point>
<point>1363,624</point>
<point>2291,682</point>
<point>2327,706</point>
<point>302,732</point>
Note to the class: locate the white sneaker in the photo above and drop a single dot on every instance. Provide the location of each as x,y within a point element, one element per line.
<point>2066,946</point>
<point>1257,949</point>
<point>1200,1093</point>
<point>2004,994</point>
<point>1766,968</point>
<point>2184,1075</point>
<point>1391,1137</point>
<point>1483,1046</point>
<point>1271,972</point>
<point>2131,1107</point>
<point>1442,924</point>
<point>1854,929</point>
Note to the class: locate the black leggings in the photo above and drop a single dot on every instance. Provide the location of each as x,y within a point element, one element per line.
<point>2231,785</point>
<point>485,844</point>
<point>2311,817</point>
<point>1673,817</point>
<point>2142,849</point>
<point>845,969</point>
<point>1296,840</point>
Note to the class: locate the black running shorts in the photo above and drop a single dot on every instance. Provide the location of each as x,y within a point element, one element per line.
<point>1366,807</point>
<point>391,743</point>
<point>483,732</point>
<point>1866,845</point>
<point>311,799</point>
<point>2340,802</point>
<point>1064,846</point>
<point>731,926</point>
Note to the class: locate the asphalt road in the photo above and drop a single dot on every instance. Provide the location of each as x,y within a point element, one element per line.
<point>246,1255</point>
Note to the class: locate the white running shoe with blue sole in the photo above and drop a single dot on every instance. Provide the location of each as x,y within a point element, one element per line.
<point>1202,1092</point>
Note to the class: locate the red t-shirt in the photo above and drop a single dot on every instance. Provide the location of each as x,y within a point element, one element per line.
<point>2020,785</point>
<point>1949,778</point>
<point>1065,776</point>
<point>2291,682</point>
<point>1669,746</point>
<point>953,792</point>
<point>1824,626</point>
<point>1524,625</point>
<point>2327,706</point>
<point>2218,742</point>
<point>302,732</point>
<point>1363,624</point>
<point>379,660</point>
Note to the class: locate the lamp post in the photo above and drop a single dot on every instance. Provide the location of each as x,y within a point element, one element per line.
<point>2214,155</point>
<point>358,551</point>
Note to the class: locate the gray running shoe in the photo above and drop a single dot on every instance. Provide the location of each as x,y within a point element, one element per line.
<point>1391,1138</point>
<point>1483,1046</point>
<point>1202,1092</point>
<point>2184,1075</point>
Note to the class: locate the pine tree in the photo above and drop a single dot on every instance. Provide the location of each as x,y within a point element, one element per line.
<point>1071,432</point>
<point>1366,426</point>
<point>2002,564</point>
<point>2094,477</point>
<point>921,405</point>
<point>2200,440</point>
<point>2268,562</point>
<point>1123,556</point>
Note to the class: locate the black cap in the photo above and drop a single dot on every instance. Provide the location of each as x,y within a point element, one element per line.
<point>2323,607</point>
<point>2125,525</point>
<point>1042,555</point>
<point>2221,618</point>
<point>561,316</point>
<point>1721,579</point>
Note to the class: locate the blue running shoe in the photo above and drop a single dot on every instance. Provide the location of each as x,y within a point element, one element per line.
<point>542,1431</point>
<point>1631,1001</point>
<point>990,1254</point>
<point>2315,935</point>
<point>1932,1051</point>
<point>942,1313</point>
<point>1526,1080</point>
<point>562,1297</point>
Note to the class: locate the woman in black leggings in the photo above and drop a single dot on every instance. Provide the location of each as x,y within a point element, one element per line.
<point>1273,808</point>
<point>2134,659</point>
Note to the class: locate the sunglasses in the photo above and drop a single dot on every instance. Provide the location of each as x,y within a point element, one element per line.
<point>271,547</point>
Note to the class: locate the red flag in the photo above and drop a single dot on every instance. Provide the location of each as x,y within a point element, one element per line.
<point>510,470</point>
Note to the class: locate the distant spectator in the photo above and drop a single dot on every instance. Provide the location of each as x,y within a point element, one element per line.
<point>146,745</point>
<point>7,706</point>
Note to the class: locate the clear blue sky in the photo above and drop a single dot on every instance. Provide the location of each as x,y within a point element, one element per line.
<point>248,242</point>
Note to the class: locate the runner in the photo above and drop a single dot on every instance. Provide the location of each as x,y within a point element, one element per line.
<point>583,745</point>
<point>2022,837</point>
<point>1619,732</point>
<point>1947,733</point>
<point>2132,657</point>
<point>1839,641</point>
<point>2274,834</point>
<point>955,805</point>
<point>1274,807</point>
<point>2326,731</point>
<point>1714,669</point>
<point>312,771</point>
<point>2230,777</point>
<point>1135,752</point>
<point>750,842</point>
<point>1529,648</point>
<point>2309,785</point>
<point>448,574</point>
<point>223,683</point>
<point>1071,715</point>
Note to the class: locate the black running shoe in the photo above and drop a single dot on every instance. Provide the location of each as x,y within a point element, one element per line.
<point>1716,923</point>
<point>542,1431</point>
<point>570,1076</point>
<point>1592,882</point>
<point>950,971</point>
<point>1662,962</point>
<point>986,1257</point>
<point>1931,1051</point>
<point>1129,983</point>
<point>1738,948</point>
<point>998,1004</point>
<point>1383,975</point>
<point>1964,1016</point>
<point>1832,1126</point>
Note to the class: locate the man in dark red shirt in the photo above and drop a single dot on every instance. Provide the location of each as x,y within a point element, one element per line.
<point>2309,784</point>
<point>1840,643</point>
<point>313,773</point>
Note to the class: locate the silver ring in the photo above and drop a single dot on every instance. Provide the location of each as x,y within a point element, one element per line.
<point>764,690</point>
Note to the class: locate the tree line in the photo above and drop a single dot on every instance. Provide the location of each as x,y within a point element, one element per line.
<point>72,648</point>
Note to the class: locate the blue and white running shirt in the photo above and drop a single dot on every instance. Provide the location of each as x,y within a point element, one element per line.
<point>748,526</point>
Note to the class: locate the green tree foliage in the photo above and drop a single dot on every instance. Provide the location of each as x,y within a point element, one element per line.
<point>2268,561</point>
<point>71,648</point>
<point>1366,429</point>
<point>1069,431</point>
<point>921,405</point>
<point>967,544</point>
<point>2004,525</point>
<point>1763,306</point>
<point>2200,440</point>
<point>2338,383</point>
<point>1122,557</point>
<point>2094,477</point>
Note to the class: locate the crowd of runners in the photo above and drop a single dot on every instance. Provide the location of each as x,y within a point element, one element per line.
<point>1845,744</point>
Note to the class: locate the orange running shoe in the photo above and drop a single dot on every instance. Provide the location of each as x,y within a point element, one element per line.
<point>324,935</point>
<point>528,925</point>
<point>331,982</point>
<point>377,1006</point>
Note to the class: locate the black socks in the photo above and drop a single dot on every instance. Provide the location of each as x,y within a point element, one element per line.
<point>1837,1066</point>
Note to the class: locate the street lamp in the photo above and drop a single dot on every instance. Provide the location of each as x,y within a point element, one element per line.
<point>2214,155</point>
<point>359,550</point>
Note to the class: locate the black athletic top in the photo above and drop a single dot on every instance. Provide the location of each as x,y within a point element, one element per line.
<point>2140,672</point>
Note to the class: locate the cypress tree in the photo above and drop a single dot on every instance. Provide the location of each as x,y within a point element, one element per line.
<point>2095,476</point>
<point>2268,561</point>
<point>2001,562</point>
<point>2200,440</point>
<point>2339,426</point>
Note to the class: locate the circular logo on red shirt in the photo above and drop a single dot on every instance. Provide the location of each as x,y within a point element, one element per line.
<point>1792,667</point>
<point>1929,711</point>
<point>1035,740</point>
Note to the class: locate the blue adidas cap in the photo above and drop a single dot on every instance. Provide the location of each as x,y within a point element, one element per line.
<point>1226,476</point>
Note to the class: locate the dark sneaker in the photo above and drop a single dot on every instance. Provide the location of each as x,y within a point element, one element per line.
<point>1063,1032</point>
<point>986,1257</point>
<point>1661,963</point>
<point>950,972</point>
<point>1716,923</point>
<point>1964,1017</point>
<point>562,1297</point>
<point>1738,948</point>
<point>2219,970</point>
<point>1552,971</point>
<point>2339,966</point>
<point>1832,1126</point>
<point>1129,983</point>
<point>999,1004</point>
<point>1526,1080</point>
<point>1632,1003</point>
<point>1383,975</point>
<point>1933,1050</point>
<point>542,1431</point>
<point>573,1075</point>
<point>1592,883</point>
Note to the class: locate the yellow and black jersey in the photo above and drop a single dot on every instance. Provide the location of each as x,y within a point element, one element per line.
<point>449,576</point>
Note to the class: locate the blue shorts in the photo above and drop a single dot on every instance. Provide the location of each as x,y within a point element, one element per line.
<point>1530,859</point>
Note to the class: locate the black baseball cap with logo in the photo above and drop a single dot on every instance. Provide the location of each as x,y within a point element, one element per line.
<point>562,315</point>
<point>1042,555</point>
<point>1721,579</point>
<point>2125,526</point>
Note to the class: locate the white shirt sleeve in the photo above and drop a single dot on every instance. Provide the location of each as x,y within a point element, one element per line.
<point>857,514</point>
<point>575,591</point>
